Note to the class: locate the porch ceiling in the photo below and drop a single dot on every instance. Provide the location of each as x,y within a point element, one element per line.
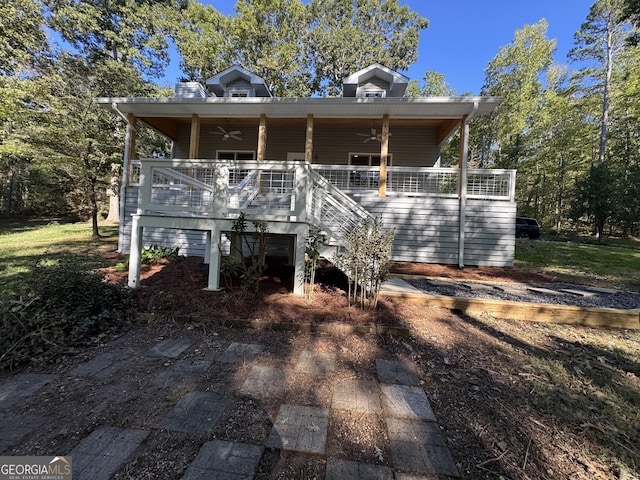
<point>164,114</point>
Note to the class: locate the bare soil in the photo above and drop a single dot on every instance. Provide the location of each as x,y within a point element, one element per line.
<point>514,400</point>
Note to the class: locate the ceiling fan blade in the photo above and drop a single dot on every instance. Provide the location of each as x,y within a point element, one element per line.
<point>366,139</point>
<point>235,132</point>
<point>235,137</point>
<point>224,132</point>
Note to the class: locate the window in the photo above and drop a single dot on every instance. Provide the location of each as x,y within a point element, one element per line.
<point>367,159</point>
<point>235,155</point>
<point>374,94</point>
<point>240,92</point>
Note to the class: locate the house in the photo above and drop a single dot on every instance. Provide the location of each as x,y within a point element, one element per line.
<point>303,162</point>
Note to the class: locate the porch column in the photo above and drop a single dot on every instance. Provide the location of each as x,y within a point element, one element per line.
<point>215,259</point>
<point>462,193</point>
<point>135,249</point>
<point>262,138</point>
<point>384,155</point>
<point>194,140</point>
<point>308,144</point>
<point>129,155</point>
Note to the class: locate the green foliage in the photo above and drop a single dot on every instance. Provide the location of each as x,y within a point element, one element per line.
<point>374,31</point>
<point>314,242</point>
<point>255,242</point>
<point>56,308</point>
<point>366,261</point>
<point>434,85</point>
<point>572,259</point>
<point>155,254</point>
<point>515,74</point>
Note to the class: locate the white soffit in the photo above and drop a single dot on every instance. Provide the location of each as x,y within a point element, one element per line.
<point>418,108</point>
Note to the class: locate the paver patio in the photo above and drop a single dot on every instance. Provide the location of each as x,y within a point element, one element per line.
<point>416,444</point>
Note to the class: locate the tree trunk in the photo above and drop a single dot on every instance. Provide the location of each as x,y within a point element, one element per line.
<point>112,193</point>
<point>93,198</point>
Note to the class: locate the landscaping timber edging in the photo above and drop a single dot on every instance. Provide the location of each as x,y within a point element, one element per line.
<point>531,312</point>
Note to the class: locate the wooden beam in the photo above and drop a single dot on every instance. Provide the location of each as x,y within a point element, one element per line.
<point>308,144</point>
<point>262,138</point>
<point>194,142</point>
<point>444,129</point>
<point>384,155</point>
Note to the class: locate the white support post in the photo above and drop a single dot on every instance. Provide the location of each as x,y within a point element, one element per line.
<point>462,182</point>
<point>215,260</point>
<point>135,249</point>
<point>298,273</point>
<point>207,248</point>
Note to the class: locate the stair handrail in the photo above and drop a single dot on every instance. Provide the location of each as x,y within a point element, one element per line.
<point>350,211</point>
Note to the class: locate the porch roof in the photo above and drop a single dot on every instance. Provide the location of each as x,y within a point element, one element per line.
<point>164,114</point>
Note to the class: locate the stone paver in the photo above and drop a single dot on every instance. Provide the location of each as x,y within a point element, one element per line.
<point>100,454</point>
<point>170,348</point>
<point>579,293</point>
<point>545,291</point>
<point>348,470</point>
<point>410,476</point>
<point>402,401</point>
<point>180,372</point>
<point>396,372</point>
<point>102,366</point>
<point>418,446</point>
<point>22,385</point>
<point>302,429</point>
<point>359,395</point>
<point>196,412</point>
<point>316,363</point>
<point>14,427</point>
<point>219,460</point>
<point>264,381</point>
<point>241,352</point>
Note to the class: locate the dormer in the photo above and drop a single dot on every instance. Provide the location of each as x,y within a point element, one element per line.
<point>236,82</point>
<point>375,81</point>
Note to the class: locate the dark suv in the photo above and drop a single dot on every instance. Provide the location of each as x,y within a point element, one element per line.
<point>527,228</point>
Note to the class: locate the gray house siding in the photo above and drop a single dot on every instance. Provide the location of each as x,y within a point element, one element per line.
<point>408,146</point>
<point>426,230</point>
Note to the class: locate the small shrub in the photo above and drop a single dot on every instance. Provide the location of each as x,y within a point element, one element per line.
<point>156,254</point>
<point>248,271</point>
<point>366,261</point>
<point>57,308</point>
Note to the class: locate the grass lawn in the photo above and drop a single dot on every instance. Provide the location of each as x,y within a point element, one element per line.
<point>610,263</point>
<point>23,245</point>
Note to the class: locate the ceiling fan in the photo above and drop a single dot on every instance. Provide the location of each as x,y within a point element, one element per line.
<point>227,135</point>
<point>371,136</point>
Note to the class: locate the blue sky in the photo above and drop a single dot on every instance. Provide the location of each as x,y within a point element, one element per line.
<point>464,35</point>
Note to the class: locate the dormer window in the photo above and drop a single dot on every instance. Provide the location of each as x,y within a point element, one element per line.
<point>373,93</point>
<point>240,92</point>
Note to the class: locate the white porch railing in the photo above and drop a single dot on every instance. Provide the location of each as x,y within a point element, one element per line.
<point>269,190</point>
<point>427,181</point>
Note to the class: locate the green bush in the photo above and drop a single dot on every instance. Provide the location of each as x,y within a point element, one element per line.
<point>56,308</point>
